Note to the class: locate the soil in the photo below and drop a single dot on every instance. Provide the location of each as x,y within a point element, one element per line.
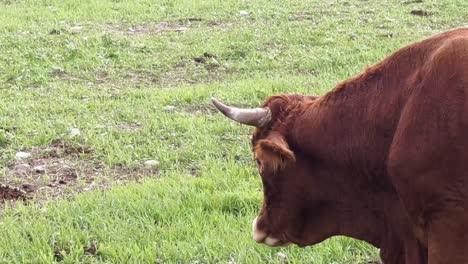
<point>61,170</point>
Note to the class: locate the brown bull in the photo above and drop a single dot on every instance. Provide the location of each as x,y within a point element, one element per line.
<point>383,157</point>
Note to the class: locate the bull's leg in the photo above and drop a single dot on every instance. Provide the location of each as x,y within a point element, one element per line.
<point>448,238</point>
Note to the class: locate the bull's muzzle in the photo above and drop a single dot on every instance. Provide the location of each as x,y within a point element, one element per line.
<point>262,237</point>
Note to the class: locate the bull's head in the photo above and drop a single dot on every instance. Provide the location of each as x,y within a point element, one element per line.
<point>289,214</point>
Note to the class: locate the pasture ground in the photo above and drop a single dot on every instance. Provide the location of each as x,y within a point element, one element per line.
<point>135,78</point>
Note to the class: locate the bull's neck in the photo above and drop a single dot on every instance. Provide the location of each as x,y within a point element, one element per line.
<point>380,219</point>
<point>350,131</point>
<point>352,126</point>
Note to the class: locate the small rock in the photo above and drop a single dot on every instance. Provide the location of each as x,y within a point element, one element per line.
<point>281,255</point>
<point>181,29</point>
<point>151,163</point>
<point>169,108</point>
<point>22,155</point>
<point>22,167</point>
<point>75,132</point>
<point>39,169</point>
<point>244,13</point>
<point>76,28</point>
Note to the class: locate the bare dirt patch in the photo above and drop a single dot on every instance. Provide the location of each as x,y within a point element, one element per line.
<point>61,74</point>
<point>102,76</point>
<point>219,25</point>
<point>142,77</point>
<point>201,69</point>
<point>9,193</point>
<point>61,170</point>
<point>145,29</point>
<point>300,16</point>
<point>198,109</point>
<point>180,25</point>
<point>190,20</point>
<point>194,71</point>
<point>129,126</point>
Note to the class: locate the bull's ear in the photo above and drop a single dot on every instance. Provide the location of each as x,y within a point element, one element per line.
<point>274,152</point>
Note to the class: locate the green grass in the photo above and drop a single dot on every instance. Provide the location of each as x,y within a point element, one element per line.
<point>95,76</point>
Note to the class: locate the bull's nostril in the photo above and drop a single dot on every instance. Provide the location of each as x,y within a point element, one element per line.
<point>262,237</point>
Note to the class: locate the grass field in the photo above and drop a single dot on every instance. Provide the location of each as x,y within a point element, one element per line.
<point>136,78</point>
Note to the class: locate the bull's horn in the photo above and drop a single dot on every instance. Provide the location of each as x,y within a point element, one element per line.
<point>257,117</point>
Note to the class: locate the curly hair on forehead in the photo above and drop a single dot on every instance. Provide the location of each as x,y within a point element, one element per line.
<point>284,109</point>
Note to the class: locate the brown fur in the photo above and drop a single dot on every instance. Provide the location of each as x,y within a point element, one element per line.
<point>383,157</point>
<point>274,153</point>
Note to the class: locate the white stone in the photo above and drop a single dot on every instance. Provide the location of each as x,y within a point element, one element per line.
<point>151,163</point>
<point>169,108</point>
<point>244,13</point>
<point>39,169</point>
<point>76,28</point>
<point>75,132</point>
<point>281,255</point>
<point>22,155</point>
<point>181,29</point>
